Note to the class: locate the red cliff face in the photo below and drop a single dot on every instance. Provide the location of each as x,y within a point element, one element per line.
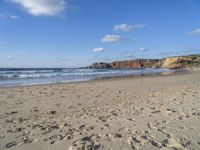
<point>139,63</point>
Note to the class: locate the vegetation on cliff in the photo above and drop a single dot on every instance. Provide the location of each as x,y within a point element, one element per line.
<point>176,62</point>
<point>190,61</point>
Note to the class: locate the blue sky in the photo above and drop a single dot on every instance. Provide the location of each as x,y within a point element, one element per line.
<point>72,33</point>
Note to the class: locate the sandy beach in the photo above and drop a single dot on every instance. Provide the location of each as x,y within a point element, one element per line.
<point>161,112</point>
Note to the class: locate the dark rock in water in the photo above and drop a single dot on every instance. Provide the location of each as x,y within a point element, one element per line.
<point>100,66</point>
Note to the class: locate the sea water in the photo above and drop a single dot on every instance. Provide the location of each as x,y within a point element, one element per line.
<point>33,76</point>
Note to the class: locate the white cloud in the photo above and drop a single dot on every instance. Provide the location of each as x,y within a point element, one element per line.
<point>13,17</point>
<point>126,27</point>
<point>143,49</point>
<point>112,38</point>
<point>100,49</point>
<point>197,31</point>
<point>42,7</point>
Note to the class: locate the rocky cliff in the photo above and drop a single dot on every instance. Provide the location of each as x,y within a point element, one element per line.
<point>100,65</point>
<point>191,61</point>
<point>177,62</point>
<point>138,63</point>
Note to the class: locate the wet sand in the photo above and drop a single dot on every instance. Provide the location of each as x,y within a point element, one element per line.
<point>161,112</point>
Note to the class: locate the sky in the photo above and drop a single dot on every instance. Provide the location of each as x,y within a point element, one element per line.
<point>76,33</point>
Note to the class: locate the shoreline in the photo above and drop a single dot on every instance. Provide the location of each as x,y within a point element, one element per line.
<point>136,76</point>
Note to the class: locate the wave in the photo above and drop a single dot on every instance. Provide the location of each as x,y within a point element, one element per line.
<point>18,77</point>
<point>34,74</point>
<point>26,71</point>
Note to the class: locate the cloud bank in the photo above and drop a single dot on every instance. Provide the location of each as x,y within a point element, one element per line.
<point>42,7</point>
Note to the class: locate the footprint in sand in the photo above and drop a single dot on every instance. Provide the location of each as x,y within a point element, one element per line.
<point>86,143</point>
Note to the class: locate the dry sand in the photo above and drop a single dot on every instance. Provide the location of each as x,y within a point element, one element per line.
<point>160,112</point>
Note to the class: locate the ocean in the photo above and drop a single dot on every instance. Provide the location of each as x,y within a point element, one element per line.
<point>33,76</point>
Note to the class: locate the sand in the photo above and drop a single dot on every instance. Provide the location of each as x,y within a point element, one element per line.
<point>161,112</point>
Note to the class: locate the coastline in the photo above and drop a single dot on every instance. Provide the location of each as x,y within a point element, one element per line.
<point>133,76</point>
<point>149,112</point>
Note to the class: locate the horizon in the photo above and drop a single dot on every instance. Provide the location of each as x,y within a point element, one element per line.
<point>84,67</point>
<point>71,34</point>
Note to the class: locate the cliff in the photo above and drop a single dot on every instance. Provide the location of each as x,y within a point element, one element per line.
<point>100,65</point>
<point>138,63</point>
<point>176,62</point>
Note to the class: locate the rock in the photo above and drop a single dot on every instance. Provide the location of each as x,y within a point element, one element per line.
<point>138,63</point>
<point>172,63</point>
<point>177,62</point>
<point>100,66</point>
